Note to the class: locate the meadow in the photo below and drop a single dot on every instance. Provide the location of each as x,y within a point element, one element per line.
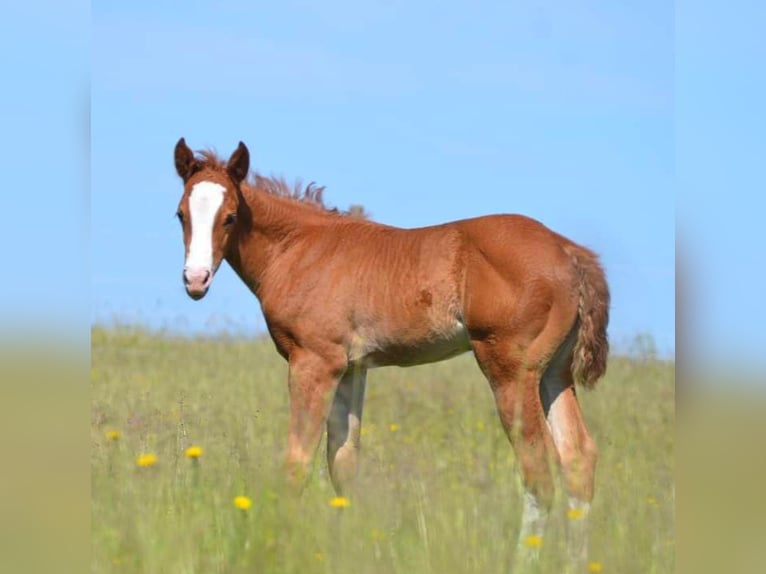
<point>438,489</point>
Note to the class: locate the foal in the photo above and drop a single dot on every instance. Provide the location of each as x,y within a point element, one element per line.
<point>341,295</point>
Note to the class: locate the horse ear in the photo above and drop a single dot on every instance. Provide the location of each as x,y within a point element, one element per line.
<point>186,163</point>
<point>239,163</point>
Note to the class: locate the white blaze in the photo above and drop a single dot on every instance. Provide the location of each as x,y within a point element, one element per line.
<point>204,202</point>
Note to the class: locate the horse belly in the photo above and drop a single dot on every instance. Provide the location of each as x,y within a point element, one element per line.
<point>429,349</point>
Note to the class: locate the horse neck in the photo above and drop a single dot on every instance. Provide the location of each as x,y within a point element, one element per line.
<point>271,223</point>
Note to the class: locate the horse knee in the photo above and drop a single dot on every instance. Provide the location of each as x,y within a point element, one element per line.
<point>296,470</point>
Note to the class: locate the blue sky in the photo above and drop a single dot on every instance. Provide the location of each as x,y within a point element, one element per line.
<point>423,112</point>
<point>720,157</point>
<point>44,151</point>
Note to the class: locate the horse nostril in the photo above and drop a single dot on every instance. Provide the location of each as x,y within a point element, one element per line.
<point>199,277</point>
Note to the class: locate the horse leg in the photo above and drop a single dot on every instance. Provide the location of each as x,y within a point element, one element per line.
<point>515,378</point>
<point>344,427</point>
<point>313,379</point>
<point>577,451</point>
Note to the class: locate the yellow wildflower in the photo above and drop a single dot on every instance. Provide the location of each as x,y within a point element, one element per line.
<point>651,500</point>
<point>340,502</point>
<point>533,541</point>
<point>393,427</point>
<point>595,567</point>
<point>480,426</point>
<point>146,460</point>
<point>319,556</point>
<point>113,434</point>
<point>575,513</point>
<point>193,452</point>
<point>243,502</point>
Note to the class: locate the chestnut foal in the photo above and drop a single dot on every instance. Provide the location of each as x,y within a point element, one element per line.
<point>341,294</point>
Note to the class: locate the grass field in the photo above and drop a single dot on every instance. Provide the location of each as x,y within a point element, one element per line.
<point>438,489</point>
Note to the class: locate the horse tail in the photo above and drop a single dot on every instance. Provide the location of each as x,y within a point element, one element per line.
<point>592,346</point>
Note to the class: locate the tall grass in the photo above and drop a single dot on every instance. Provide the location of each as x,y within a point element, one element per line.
<point>438,489</point>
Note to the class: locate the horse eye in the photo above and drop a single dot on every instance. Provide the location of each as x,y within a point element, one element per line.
<point>180,217</point>
<point>229,219</point>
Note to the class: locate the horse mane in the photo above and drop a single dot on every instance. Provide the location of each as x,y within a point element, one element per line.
<point>310,194</point>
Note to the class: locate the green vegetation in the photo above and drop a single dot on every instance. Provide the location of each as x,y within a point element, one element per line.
<point>438,489</point>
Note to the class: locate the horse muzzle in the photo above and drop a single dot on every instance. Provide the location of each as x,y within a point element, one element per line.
<point>197,281</point>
